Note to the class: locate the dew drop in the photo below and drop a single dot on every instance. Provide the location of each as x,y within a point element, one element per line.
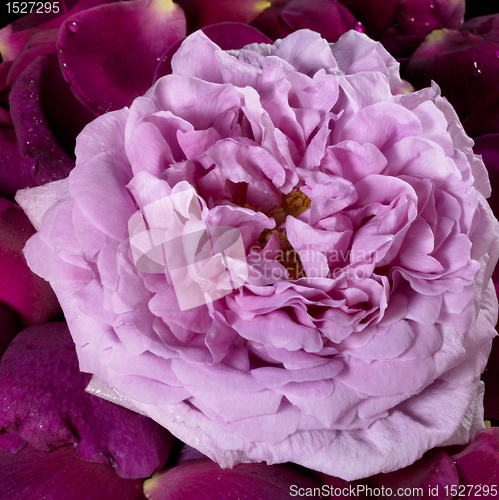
<point>65,65</point>
<point>158,59</point>
<point>74,27</point>
<point>476,71</point>
<point>496,53</point>
<point>412,19</point>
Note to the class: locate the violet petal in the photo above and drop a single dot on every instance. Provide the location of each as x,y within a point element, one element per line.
<point>32,475</point>
<point>250,481</point>
<point>47,119</point>
<point>328,17</point>
<point>100,49</point>
<point>43,401</point>
<point>486,27</point>
<point>30,298</point>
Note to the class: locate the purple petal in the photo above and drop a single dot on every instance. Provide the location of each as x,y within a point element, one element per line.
<point>328,17</point>
<point>11,44</point>
<point>30,298</point>
<point>43,402</point>
<point>486,27</point>
<point>40,43</point>
<point>109,54</point>
<point>249,481</point>
<point>200,13</point>
<point>47,119</point>
<point>478,463</point>
<point>375,16</point>
<point>447,56</point>
<point>8,328</point>
<point>60,475</point>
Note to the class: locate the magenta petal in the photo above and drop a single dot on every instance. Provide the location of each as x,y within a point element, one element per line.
<point>200,13</point>
<point>328,17</point>
<point>447,56</point>
<point>478,463</point>
<point>11,43</point>
<point>109,54</point>
<point>47,119</point>
<point>486,27</point>
<point>28,296</point>
<point>40,43</point>
<point>375,16</point>
<point>205,479</point>
<point>60,475</point>
<point>42,400</point>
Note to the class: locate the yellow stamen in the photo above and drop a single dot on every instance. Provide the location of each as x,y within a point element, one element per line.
<point>261,6</point>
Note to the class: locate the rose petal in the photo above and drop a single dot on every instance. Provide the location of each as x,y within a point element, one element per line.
<point>47,119</point>
<point>60,475</point>
<point>250,481</point>
<point>98,54</point>
<point>43,401</point>
<point>478,463</point>
<point>200,13</point>
<point>12,43</point>
<point>30,298</point>
<point>328,17</point>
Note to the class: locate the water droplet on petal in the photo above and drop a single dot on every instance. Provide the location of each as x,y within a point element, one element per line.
<point>65,65</point>
<point>412,19</point>
<point>73,27</point>
<point>496,53</point>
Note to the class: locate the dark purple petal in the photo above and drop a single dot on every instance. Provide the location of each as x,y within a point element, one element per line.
<point>8,328</point>
<point>478,464</point>
<point>109,54</point>
<point>28,296</point>
<point>47,119</point>
<point>12,43</point>
<point>226,35</point>
<point>40,43</point>
<point>42,400</point>
<point>200,13</point>
<point>375,16</point>
<point>415,19</point>
<point>34,475</point>
<point>328,17</point>
<point>205,479</point>
<point>449,56</point>
<point>486,27</point>
<point>488,147</point>
<point>491,374</point>
<point>16,172</point>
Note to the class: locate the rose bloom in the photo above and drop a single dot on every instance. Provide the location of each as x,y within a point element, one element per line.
<point>279,257</point>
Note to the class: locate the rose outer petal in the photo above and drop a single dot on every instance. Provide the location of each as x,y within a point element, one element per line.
<point>109,54</point>
<point>60,475</point>
<point>205,479</point>
<point>42,400</point>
